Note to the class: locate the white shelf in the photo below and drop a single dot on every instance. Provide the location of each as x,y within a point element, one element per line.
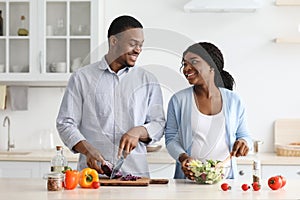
<point>288,40</point>
<point>287,2</point>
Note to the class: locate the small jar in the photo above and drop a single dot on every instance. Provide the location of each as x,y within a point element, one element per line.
<point>256,171</point>
<point>55,181</point>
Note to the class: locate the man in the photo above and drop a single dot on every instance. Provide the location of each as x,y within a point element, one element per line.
<point>112,106</point>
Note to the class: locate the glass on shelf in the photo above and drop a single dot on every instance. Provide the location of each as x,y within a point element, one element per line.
<point>19,18</point>
<point>79,29</point>
<point>56,23</point>
<point>22,31</point>
<point>56,56</point>
<point>60,28</point>
<point>80,15</point>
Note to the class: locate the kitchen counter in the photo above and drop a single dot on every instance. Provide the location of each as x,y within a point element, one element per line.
<point>160,156</point>
<point>26,189</point>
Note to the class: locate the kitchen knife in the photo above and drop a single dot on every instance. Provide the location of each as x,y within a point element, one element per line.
<point>117,166</point>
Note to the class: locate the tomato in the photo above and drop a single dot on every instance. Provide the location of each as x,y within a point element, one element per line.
<point>283,179</point>
<point>96,184</point>
<point>245,187</point>
<point>225,186</point>
<point>275,182</point>
<point>256,186</point>
<point>71,179</point>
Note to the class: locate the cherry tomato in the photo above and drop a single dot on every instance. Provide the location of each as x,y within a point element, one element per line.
<point>275,182</point>
<point>96,184</point>
<point>225,187</point>
<point>283,179</point>
<point>245,187</point>
<point>256,186</point>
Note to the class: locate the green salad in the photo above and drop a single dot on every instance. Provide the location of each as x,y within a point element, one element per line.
<point>206,173</point>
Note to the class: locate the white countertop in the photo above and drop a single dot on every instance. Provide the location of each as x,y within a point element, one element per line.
<point>160,157</point>
<point>28,189</point>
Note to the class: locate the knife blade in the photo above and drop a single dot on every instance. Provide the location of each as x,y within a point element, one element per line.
<point>117,167</point>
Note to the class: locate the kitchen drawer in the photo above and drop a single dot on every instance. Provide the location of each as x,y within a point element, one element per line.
<point>165,170</point>
<point>14,169</point>
<point>290,172</point>
<point>245,172</point>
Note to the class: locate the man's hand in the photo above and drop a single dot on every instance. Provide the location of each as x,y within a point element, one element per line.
<point>131,139</point>
<point>184,159</point>
<point>93,156</point>
<point>240,148</point>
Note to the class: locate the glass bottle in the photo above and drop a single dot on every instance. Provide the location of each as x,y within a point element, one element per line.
<point>59,162</point>
<point>1,24</point>
<point>22,30</point>
<point>256,171</point>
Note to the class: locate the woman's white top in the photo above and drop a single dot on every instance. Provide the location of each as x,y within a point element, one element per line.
<point>209,137</point>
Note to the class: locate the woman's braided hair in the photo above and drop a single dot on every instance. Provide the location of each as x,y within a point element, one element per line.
<point>214,58</point>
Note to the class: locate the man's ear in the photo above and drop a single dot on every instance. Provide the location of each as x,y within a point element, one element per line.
<point>113,40</point>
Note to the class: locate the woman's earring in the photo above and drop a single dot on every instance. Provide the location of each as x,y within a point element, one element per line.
<point>212,69</point>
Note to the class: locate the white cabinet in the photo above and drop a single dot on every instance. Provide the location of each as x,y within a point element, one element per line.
<point>63,35</point>
<point>22,169</point>
<point>164,170</point>
<point>245,172</point>
<point>69,35</point>
<point>267,171</point>
<point>15,50</point>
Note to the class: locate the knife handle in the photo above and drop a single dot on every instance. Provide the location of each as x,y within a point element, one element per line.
<point>159,181</point>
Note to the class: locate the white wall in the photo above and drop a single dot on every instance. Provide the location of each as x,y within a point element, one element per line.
<point>266,73</point>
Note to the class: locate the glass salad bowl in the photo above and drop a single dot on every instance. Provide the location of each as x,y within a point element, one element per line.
<point>210,172</point>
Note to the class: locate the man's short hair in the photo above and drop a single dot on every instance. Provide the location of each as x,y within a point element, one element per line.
<point>123,23</point>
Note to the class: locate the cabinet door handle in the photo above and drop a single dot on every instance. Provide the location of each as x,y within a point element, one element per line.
<point>298,173</point>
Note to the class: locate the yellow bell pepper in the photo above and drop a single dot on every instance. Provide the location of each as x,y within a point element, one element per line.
<point>87,177</point>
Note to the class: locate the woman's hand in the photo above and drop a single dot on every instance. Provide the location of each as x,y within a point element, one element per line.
<point>184,160</point>
<point>240,148</point>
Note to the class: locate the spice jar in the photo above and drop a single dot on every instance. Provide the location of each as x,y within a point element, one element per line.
<point>55,181</point>
<point>256,171</point>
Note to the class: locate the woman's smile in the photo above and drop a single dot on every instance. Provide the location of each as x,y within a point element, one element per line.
<point>190,75</point>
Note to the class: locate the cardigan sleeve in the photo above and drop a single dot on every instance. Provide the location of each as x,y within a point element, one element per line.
<point>172,130</point>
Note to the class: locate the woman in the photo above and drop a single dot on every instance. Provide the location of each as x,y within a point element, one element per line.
<point>206,121</point>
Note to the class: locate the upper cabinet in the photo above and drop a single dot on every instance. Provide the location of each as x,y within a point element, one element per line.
<point>15,39</point>
<point>44,41</point>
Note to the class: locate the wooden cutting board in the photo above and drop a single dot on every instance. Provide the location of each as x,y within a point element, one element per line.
<point>286,131</point>
<point>118,182</point>
<point>138,182</point>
